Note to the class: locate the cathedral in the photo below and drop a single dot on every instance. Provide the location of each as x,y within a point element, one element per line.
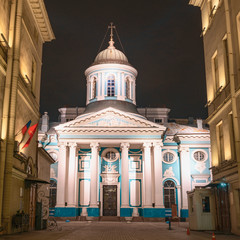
<point>114,159</point>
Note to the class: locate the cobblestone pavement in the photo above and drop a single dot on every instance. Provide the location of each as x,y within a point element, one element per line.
<point>117,231</point>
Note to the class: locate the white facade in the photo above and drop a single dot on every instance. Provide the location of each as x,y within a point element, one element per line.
<point>112,161</point>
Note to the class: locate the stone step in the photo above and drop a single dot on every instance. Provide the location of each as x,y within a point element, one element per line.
<point>110,218</point>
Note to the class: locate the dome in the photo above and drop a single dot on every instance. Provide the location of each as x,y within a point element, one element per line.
<point>111,55</point>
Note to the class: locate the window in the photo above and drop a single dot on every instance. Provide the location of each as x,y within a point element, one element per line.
<point>168,157</point>
<point>94,90</point>
<point>158,120</point>
<point>220,141</point>
<point>53,194</point>
<point>169,193</point>
<point>206,204</point>
<point>216,72</point>
<point>111,86</point>
<point>111,155</point>
<point>199,156</point>
<point>128,88</point>
<point>226,59</point>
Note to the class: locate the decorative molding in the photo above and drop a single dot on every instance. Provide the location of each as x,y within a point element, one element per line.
<point>169,173</point>
<point>41,17</point>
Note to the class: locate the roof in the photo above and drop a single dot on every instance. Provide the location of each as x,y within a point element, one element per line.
<point>174,128</point>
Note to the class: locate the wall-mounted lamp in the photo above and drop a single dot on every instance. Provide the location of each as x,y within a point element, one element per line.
<point>5,41</point>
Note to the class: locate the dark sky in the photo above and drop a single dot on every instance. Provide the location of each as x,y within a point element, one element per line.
<point>161,39</point>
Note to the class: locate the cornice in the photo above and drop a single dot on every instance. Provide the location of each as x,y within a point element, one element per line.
<point>196,3</point>
<point>41,17</point>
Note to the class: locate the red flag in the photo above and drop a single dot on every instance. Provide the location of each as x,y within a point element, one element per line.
<point>31,132</point>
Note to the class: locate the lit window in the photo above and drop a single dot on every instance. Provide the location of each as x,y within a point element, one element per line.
<point>206,204</point>
<point>199,156</point>
<point>168,157</point>
<point>111,86</point>
<point>216,72</point>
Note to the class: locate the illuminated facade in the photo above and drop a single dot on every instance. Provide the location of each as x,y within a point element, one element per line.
<point>24,27</point>
<point>221,37</point>
<point>113,161</point>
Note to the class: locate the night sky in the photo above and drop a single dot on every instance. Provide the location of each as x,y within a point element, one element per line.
<point>161,40</point>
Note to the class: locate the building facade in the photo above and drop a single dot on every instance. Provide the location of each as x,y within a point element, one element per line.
<point>24,27</point>
<point>111,160</point>
<point>221,37</point>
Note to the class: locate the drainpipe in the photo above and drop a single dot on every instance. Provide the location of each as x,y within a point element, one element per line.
<point>11,122</point>
<point>232,87</point>
<point>6,101</point>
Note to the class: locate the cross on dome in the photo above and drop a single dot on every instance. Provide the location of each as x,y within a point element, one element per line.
<point>111,42</point>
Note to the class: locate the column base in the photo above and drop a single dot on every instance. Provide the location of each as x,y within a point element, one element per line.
<point>84,212</point>
<point>135,212</point>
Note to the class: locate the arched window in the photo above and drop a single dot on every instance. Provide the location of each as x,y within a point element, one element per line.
<point>128,88</point>
<point>94,90</point>
<point>169,194</point>
<point>111,86</point>
<point>53,194</point>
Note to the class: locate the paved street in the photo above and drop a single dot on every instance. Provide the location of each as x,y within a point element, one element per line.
<point>117,231</point>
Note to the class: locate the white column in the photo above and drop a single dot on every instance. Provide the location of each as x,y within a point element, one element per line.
<point>179,200</point>
<point>71,175</point>
<point>147,174</point>
<point>125,176</point>
<point>61,175</point>
<point>157,151</point>
<point>94,175</point>
<point>185,174</point>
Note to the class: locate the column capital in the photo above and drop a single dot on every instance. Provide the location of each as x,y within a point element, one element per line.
<point>124,145</point>
<point>183,148</point>
<point>147,145</point>
<point>72,145</point>
<point>178,187</point>
<point>62,144</point>
<point>158,144</point>
<point>94,145</point>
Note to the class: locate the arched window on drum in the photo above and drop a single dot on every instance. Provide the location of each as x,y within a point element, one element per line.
<point>53,194</point>
<point>111,86</point>
<point>128,89</point>
<point>169,194</point>
<point>94,88</point>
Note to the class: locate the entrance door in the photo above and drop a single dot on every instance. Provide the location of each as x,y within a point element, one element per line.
<point>110,200</point>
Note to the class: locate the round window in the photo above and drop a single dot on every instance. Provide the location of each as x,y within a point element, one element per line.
<point>111,156</point>
<point>199,156</point>
<point>168,157</point>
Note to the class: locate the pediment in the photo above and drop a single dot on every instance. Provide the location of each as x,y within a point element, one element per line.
<point>110,118</point>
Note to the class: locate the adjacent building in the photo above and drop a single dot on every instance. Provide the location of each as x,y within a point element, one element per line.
<point>24,27</point>
<point>221,37</point>
<point>114,159</point>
